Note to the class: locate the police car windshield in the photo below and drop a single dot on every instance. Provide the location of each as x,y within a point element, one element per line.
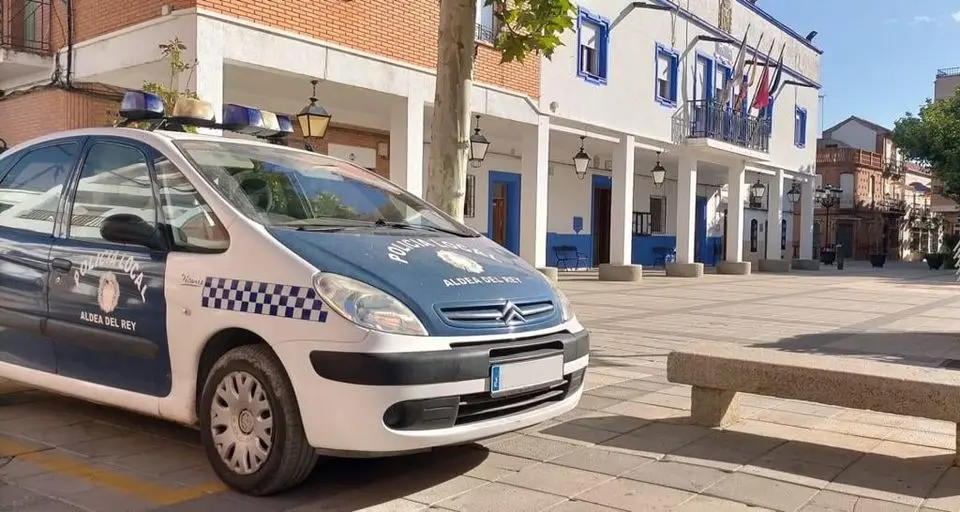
<point>278,186</point>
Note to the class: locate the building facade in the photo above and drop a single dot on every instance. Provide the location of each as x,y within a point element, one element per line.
<point>636,85</point>
<point>885,202</point>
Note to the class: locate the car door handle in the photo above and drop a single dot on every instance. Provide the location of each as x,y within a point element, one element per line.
<point>62,265</point>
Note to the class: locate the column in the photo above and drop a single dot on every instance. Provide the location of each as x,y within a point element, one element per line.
<point>686,208</point>
<point>621,208</point>
<point>534,191</point>
<point>736,195</point>
<point>774,215</point>
<point>208,76</point>
<point>806,220</point>
<point>406,142</point>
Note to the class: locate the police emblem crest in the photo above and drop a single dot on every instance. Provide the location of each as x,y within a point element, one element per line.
<point>108,293</point>
<point>460,261</point>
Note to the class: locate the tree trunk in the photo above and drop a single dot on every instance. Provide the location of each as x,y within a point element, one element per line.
<point>450,129</point>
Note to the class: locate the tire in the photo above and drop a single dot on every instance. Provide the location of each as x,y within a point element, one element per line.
<point>289,459</point>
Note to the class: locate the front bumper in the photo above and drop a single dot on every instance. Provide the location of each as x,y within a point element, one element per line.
<point>378,403</point>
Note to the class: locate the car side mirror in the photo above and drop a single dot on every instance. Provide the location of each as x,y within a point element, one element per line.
<point>126,228</point>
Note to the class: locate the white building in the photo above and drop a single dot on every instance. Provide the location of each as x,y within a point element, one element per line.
<point>632,80</point>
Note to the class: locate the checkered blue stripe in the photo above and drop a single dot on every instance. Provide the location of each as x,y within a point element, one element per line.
<point>271,299</point>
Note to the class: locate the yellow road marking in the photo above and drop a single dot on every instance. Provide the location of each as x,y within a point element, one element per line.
<point>75,468</point>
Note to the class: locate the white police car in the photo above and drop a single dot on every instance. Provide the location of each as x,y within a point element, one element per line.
<point>287,303</point>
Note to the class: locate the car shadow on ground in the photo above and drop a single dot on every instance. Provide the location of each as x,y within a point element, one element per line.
<point>696,458</point>
<point>913,348</point>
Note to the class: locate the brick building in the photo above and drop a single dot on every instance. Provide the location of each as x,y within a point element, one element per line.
<point>375,62</point>
<point>885,200</point>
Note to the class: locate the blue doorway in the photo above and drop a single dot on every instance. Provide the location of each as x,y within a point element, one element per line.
<point>503,214</point>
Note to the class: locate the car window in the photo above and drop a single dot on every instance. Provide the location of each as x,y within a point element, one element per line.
<point>114,179</point>
<point>30,191</point>
<point>194,224</point>
<point>279,186</point>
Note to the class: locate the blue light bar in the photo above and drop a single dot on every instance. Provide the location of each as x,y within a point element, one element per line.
<point>286,124</point>
<point>240,119</point>
<point>141,106</point>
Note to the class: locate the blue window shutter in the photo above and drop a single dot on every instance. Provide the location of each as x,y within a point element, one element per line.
<point>674,75</point>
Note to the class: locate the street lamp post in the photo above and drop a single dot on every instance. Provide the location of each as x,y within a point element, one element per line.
<point>828,197</point>
<point>793,195</point>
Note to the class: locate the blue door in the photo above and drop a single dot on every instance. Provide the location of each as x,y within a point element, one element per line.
<point>31,189</point>
<point>107,314</point>
<point>503,218</point>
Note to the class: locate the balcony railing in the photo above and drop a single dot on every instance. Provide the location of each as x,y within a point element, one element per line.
<point>948,72</point>
<point>25,25</point>
<point>487,33</point>
<point>705,119</point>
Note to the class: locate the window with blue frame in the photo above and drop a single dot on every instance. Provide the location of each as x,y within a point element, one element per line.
<point>666,71</point>
<point>593,38</point>
<point>703,78</point>
<point>721,75</point>
<point>800,128</point>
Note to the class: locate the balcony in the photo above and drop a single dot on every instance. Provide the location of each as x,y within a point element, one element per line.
<point>851,157</point>
<point>25,37</point>
<point>704,121</point>
<point>945,72</point>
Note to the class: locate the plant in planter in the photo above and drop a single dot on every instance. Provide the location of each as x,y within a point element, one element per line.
<point>950,241</point>
<point>934,260</point>
<point>878,252</point>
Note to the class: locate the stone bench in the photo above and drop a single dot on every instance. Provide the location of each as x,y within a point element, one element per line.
<point>717,373</point>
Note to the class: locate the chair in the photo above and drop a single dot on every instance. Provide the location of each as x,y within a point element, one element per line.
<point>569,257</point>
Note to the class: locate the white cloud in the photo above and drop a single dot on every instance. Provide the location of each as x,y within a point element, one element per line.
<point>922,19</point>
<point>956,16</point>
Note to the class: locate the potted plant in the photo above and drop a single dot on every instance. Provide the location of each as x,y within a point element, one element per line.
<point>877,259</point>
<point>828,255</point>
<point>948,249</point>
<point>934,260</point>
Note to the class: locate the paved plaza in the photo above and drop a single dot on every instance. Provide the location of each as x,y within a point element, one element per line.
<point>628,447</point>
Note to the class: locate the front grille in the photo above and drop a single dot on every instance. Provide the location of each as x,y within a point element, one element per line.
<point>450,411</point>
<point>497,314</point>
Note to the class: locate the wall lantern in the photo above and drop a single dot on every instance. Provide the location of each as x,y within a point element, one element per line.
<point>658,172</point>
<point>478,146</point>
<point>757,191</point>
<point>794,194</point>
<point>313,119</point>
<point>580,160</point>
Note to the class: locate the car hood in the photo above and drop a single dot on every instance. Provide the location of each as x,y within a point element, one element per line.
<point>455,285</point>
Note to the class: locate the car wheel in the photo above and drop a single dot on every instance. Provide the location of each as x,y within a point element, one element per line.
<point>250,423</point>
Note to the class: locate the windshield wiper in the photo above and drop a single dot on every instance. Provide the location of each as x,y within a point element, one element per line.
<point>407,225</point>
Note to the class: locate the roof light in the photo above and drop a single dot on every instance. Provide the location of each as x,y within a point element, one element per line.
<point>141,106</point>
<point>240,119</point>
<point>194,112</point>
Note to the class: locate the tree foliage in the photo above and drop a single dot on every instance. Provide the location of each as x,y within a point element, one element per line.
<point>525,27</point>
<point>932,138</point>
<point>531,26</point>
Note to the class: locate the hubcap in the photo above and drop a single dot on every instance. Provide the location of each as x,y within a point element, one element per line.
<point>242,422</point>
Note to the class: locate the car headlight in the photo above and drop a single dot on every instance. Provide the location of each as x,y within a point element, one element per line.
<point>566,307</point>
<point>367,306</point>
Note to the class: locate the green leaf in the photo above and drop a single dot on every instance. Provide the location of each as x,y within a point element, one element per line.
<point>932,137</point>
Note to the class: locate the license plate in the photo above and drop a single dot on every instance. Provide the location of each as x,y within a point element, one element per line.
<point>513,377</point>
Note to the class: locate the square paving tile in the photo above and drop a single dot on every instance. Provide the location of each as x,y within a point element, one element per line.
<point>762,492</point>
<point>560,480</point>
<point>632,495</point>
<point>598,460</point>
<point>829,501</point>
<point>536,448</point>
<point>678,475</point>
<point>497,497</point>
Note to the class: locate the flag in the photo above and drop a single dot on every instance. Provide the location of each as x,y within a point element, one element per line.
<point>762,98</point>
<point>747,82</point>
<point>778,74</point>
<point>738,64</point>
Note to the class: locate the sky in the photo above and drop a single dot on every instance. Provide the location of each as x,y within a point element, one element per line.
<point>880,57</point>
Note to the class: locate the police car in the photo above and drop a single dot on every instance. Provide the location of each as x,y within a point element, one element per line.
<point>286,303</point>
